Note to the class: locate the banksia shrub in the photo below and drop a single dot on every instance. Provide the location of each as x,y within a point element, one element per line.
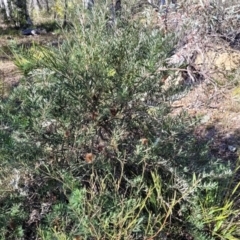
<point>93,122</point>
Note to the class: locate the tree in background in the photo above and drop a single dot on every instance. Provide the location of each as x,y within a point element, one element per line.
<point>18,11</point>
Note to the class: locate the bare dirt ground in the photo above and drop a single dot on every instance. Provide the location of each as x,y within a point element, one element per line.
<point>9,73</point>
<point>219,113</point>
<point>216,102</point>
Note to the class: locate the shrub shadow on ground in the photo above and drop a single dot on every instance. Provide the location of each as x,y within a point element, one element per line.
<point>222,145</point>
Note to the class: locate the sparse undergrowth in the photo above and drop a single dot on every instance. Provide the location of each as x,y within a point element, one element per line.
<point>89,151</point>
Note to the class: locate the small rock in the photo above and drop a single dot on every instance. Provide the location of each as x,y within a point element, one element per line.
<point>205,119</point>
<point>33,32</point>
<point>232,148</point>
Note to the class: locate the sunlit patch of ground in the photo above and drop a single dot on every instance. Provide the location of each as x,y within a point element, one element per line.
<point>216,102</point>
<point>9,74</point>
